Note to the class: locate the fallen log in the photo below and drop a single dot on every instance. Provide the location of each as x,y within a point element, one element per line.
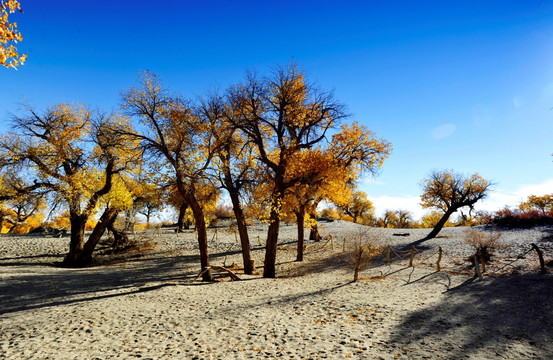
<point>227,272</point>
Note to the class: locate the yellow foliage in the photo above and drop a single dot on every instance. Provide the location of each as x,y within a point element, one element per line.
<point>358,149</point>
<point>330,213</point>
<point>61,221</point>
<point>35,221</point>
<point>541,203</point>
<point>9,35</point>
<point>21,229</point>
<point>431,219</point>
<point>345,217</point>
<point>447,190</point>
<point>90,224</point>
<point>120,196</point>
<point>140,226</point>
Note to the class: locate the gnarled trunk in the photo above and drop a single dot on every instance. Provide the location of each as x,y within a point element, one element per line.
<point>314,233</point>
<point>130,219</point>
<point>109,215</point>
<point>181,223</point>
<point>119,236</point>
<point>76,244</point>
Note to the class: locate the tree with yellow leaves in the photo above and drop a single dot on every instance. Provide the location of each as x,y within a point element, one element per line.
<point>281,115</point>
<point>22,202</point>
<point>354,151</point>
<point>285,118</point>
<point>319,178</point>
<point>390,219</point>
<point>357,206</point>
<point>9,35</point>
<point>56,146</point>
<point>542,203</point>
<point>234,162</point>
<point>178,142</point>
<point>449,191</point>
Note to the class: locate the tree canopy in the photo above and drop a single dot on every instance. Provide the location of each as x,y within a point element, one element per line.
<point>449,191</point>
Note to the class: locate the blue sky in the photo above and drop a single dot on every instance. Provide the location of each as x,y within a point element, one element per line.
<point>463,85</point>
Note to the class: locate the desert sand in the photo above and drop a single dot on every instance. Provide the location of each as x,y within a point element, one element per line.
<point>147,304</point>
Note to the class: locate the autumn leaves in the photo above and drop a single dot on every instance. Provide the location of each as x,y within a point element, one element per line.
<point>9,35</point>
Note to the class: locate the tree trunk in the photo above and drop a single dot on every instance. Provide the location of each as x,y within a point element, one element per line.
<point>107,217</point>
<point>300,218</point>
<point>440,224</point>
<point>119,236</point>
<point>2,217</point>
<point>78,223</point>
<point>130,219</point>
<point>14,225</point>
<point>181,224</point>
<point>314,233</point>
<point>356,273</point>
<point>269,270</point>
<point>201,230</point>
<point>242,231</point>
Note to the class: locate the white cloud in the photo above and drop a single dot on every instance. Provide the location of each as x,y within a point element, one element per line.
<point>370,180</point>
<point>499,198</point>
<point>443,131</point>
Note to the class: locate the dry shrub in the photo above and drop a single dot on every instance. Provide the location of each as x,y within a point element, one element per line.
<point>515,218</point>
<point>223,212</point>
<point>361,252</point>
<point>484,243</point>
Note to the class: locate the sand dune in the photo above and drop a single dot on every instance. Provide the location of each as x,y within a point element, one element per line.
<point>146,305</point>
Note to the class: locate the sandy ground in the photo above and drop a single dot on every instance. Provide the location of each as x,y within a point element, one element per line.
<point>147,304</point>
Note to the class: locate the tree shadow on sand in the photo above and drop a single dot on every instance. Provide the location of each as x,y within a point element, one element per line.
<point>55,286</point>
<point>510,315</point>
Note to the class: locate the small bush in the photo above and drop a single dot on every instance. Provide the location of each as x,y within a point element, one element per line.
<point>361,253</point>
<point>483,243</point>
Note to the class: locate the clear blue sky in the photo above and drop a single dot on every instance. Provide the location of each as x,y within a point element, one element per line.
<point>463,85</point>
